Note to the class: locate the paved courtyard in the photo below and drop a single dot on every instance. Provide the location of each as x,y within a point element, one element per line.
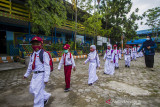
<point>136,86</point>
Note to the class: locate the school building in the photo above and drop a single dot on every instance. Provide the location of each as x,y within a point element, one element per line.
<point>15,29</point>
<point>142,37</point>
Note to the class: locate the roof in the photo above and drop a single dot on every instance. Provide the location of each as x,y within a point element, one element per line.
<point>140,41</point>
<point>148,31</point>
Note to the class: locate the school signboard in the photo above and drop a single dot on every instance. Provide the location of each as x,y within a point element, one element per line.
<point>104,39</point>
<point>99,43</point>
<point>99,40</point>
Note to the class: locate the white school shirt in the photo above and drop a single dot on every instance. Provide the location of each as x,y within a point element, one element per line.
<point>109,55</point>
<point>68,60</point>
<point>39,66</point>
<point>94,60</point>
<point>134,49</point>
<point>119,51</point>
<point>129,53</point>
<point>115,52</point>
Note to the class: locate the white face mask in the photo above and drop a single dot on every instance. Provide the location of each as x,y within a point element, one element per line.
<point>147,38</point>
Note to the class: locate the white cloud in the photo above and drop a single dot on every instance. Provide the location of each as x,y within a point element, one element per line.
<point>143,6</point>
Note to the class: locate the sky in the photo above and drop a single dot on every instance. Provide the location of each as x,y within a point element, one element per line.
<point>143,6</point>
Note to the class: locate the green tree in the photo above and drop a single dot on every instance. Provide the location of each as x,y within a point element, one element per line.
<point>153,19</point>
<point>115,19</point>
<point>46,14</point>
<point>92,20</point>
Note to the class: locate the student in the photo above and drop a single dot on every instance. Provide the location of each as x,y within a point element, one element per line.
<point>109,66</point>
<point>130,48</point>
<point>127,53</point>
<point>68,61</point>
<point>116,56</point>
<point>120,53</point>
<point>134,52</point>
<point>39,64</point>
<point>93,58</point>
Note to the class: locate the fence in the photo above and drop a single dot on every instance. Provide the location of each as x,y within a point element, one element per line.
<point>13,51</point>
<point>26,50</point>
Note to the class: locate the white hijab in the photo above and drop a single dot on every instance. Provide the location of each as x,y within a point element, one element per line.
<point>109,46</point>
<point>109,51</point>
<point>92,55</point>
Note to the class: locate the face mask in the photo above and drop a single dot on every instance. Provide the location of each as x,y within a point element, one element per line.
<point>115,48</point>
<point>35,48</point>
<point>147,38</point>
<point>91,50</point>
<point>65,51</point>
<point>108,48</point>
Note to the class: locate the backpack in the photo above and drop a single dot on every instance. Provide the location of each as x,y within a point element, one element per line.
<point>41,58</point>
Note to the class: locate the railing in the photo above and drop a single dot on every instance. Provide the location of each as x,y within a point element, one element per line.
<point>16,11</point>
<point>12,10</point>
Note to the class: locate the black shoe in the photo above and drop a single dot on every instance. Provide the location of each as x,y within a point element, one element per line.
<point>90,84</point>
<point>128,66</point>
<point>66,89</point>
<point>117,67</point>
<point>125,65</point>
<point>45,102</point>
<point>104,73</point>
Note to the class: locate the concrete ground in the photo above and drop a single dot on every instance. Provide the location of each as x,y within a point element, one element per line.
<point>11,66</point>
<point>136,86</point>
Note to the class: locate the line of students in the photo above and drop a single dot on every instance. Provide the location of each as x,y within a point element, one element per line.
<point>41,65</point>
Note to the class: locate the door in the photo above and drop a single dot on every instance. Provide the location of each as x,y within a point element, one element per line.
<point>3,42</point>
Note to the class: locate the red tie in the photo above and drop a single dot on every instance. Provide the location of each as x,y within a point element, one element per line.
<point>64,59</point>
<point>33,65</point>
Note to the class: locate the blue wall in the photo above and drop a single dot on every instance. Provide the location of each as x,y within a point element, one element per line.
<point>9,40</point>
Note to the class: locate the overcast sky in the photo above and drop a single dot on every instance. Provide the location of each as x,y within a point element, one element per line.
<point>143,6</point>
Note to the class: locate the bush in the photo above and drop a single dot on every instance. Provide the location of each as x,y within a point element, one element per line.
<point>24,53</point>
<point>22,61</point>
<point>57,47</point>
<point>52,55</point>
<point>15,58</point>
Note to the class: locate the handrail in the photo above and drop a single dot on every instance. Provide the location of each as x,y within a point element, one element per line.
<point>11,10</point>
<point>14,9</point>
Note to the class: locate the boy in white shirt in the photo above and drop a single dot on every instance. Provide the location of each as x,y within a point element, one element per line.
<point>68,61</point>
<point>39,64</point>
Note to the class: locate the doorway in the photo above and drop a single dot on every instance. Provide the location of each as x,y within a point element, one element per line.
<point>3,42</point>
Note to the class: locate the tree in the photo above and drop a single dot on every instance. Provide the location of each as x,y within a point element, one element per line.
<point>46,14</point>
<point>153,19</point>
<point>92,20</point>
<point>115,18</point>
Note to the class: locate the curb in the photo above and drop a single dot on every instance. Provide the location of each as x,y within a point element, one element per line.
<point>6,59</point>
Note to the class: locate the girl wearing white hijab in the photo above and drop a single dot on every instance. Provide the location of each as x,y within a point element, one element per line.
<point>109,66</point>
<point>93,58</point>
